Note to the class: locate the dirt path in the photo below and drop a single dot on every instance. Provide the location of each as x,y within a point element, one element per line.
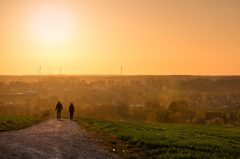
<point>51,139</point>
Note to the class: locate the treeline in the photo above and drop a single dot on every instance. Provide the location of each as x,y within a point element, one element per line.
<point>152,111</point>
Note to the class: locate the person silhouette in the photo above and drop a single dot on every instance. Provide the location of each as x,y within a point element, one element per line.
<point>71,111</point>
<point>59,109</point>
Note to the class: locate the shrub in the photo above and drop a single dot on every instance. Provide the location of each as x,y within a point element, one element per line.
<point>216,121</point>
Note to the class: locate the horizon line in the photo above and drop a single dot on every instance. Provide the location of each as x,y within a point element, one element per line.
<point>59,75</point>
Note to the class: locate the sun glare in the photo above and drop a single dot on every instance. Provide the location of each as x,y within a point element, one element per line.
<point>52,24</point>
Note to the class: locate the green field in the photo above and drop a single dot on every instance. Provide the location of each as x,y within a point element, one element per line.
<point>168,140</point>
<point>13,122</point>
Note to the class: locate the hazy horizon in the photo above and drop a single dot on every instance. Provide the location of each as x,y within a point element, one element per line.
<point>62,75</point>
<point>158,37</point>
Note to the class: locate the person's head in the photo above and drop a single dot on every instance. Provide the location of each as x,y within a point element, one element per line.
<point>59,102</point>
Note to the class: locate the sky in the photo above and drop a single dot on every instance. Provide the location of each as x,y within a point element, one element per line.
<point>146,37</point>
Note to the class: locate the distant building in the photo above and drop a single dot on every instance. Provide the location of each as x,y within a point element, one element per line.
<point>136,105</point>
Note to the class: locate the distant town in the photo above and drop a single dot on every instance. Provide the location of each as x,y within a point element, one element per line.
<point>177,99</point>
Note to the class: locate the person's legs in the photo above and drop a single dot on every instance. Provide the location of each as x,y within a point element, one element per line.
<point>71,115</point>
<point>60,115</point>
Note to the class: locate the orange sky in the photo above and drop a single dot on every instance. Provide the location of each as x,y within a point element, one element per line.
<point>200,37</point>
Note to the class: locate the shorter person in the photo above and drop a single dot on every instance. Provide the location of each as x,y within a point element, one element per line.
<point>71,111</point>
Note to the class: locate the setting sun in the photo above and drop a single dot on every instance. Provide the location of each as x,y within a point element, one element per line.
<point>52,23</point>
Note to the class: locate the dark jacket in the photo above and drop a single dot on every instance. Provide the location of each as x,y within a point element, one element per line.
<point>71,108</point>
<point>59,107</point>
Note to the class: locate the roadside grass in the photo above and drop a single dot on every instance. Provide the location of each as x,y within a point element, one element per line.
<point>155,140</point>
<point>14,122</point>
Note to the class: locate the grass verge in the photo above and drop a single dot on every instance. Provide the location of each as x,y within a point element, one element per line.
<point>14,122</point>
<point>153,140</point>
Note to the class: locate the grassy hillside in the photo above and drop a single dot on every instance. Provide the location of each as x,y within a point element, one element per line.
<point>167,140</point>
<point>8,122</point>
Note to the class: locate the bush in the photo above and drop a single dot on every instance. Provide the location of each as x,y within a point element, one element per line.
<point>198,120</point>
<point>216,121</point>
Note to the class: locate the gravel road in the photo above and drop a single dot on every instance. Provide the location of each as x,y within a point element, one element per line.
<point>51,139</point>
